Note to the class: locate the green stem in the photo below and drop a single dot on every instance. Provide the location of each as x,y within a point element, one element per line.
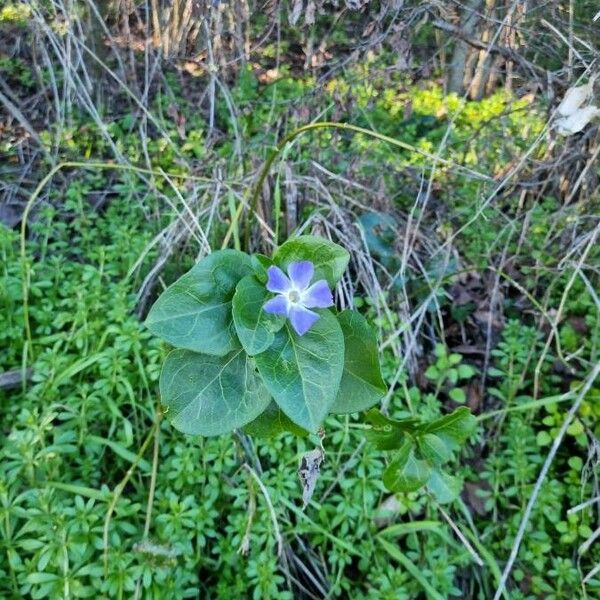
<point>528,405</point>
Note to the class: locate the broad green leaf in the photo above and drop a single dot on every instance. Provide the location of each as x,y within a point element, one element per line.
<point>445,488</point>
<point>362,385</point>
<point>329,259</point>
<point>434,449</point>
<point>386,433</point>
<point>406,473</point>
<point>272,422</point>
<point>194,313</point>
<point>255,328</point>
<point>260,264</point>
<point>211,395</point>
<point>303,373</point>
<point>378,419</point>
<point>385,438</point>
<point>455,427</point>
<point>380,232</point>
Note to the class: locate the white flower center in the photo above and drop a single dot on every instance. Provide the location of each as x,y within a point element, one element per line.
<point>294,296</point>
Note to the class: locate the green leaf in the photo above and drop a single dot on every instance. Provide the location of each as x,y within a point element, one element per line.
<point>455,427</point>
<point>194,313</point>
<point>445,488</point>
<point>434,449</point>
<point>101,495</point>
<point>255,328</point>
<point>543,438</point>
<point>386,433</point>
<point>406,473</point>
<point>452,376</point>
<point>458,395</point>
<point>432,373</point>
<point>211,395</point>
<point>37,578</point>
<point>576,428</point>
<point>466,371</point>
<point>431,527</point>
<point>414,570</point>
<point>303,373</point>
<point>455,359</point>
<point>329,259</point>
<point>260,264</point>
<point>273,422</point>
<point>385,438</point>
<point>119,449</point>
<point>362,385</point>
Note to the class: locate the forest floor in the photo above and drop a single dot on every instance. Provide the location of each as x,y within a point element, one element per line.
<point>474,251</point>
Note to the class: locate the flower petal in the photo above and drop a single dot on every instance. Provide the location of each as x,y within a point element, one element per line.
<point>277,306</point>
<point>302,319</point>
<point>318,295</point>
<point>278,281</point>
<point>301,273</point>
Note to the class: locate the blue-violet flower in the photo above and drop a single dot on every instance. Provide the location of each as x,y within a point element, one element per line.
<point>295,295</point>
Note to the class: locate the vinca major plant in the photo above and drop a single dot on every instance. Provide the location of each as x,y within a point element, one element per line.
<point>259,345</point>
<point>252,331</point>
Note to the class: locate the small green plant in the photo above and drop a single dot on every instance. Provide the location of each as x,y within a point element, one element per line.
<point>239,349</point>
<point>246,358</point>
<point>448,370</point>
<point>16,13</point>
<point>420,451</point>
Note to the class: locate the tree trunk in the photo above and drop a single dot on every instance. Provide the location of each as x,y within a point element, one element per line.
<point>467,23</point>
<point>477,88</point>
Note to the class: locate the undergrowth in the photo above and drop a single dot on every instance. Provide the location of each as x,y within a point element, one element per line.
<point>99,496</point>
